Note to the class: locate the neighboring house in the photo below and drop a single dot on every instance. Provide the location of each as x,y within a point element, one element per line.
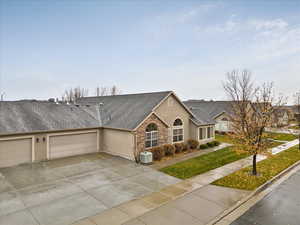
<point>217,111</point>
<point>121,125</point>
<point>281,117</point>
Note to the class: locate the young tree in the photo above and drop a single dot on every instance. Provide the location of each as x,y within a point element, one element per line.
<point>252,111</point>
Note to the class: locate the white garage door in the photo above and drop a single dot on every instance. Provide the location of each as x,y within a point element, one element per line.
<point>72,144</point>
<point>14,152</point>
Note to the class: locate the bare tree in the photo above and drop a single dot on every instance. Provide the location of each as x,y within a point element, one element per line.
<point>106,91</point>
<point>72,94</point>
<point>2,96</point>
<point>297,111</point>
<point>114,90</point>
<point>252,112</point>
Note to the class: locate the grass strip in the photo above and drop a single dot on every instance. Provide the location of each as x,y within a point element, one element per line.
<point>281,136</point>
<point>203,163</point>
<point>267,169</point>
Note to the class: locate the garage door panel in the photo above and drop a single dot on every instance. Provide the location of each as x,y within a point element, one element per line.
<point>72,144</point>
<point>14,152</point>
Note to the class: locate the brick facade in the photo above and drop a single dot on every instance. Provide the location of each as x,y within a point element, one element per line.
<point>141,132</point>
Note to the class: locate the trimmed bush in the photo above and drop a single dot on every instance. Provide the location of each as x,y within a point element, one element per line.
<point>185,147</point>
<point>169,149</point>
<point>204,146</point>
<point>178,147</point>
<point>216,143</point>
<point>158,153</point>
<point>210,144</point>
<point>193,144</point>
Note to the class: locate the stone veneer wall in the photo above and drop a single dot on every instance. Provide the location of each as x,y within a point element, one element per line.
<point>140,132</point>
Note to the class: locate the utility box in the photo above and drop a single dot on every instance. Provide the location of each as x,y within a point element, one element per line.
<point>146,157</point>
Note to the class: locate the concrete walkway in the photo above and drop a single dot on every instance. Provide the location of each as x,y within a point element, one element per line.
<point>193,201</point>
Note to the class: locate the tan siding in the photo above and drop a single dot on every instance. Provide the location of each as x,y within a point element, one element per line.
<point>223,126</point>
<point>170,110</point>
<point>117,142</point>
<point>15,151</point>
<point>193,131</point>
<point>40,147</point>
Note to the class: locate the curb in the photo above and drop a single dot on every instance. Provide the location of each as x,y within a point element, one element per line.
<point>252,194</point>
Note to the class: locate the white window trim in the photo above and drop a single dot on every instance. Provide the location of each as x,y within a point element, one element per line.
<point>178,128</point>
<point>205,133</point>
<point>151,140</point>
<point>205,136</point>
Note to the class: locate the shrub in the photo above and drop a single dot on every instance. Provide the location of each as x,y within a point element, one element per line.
<point>193,144</point>
<point>210,144</point>
<point>158,153</point>
<point>204,146</point>
<point>185,147</point>
<point>216,143</point>
<point>169,149</point>
<point>178,147</point>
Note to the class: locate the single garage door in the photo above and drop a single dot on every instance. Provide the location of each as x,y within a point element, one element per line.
<point>72,144</point>
<point>14,152</point>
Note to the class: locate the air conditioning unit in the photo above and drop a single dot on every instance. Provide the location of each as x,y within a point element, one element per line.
<point>146,157</point>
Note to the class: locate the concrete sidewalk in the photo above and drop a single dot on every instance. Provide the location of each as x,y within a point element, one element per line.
<point>193,201</point>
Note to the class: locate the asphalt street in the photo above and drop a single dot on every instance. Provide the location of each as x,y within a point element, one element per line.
<point>279,207</point>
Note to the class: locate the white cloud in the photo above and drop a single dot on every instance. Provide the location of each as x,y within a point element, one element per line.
<point>268,24</point>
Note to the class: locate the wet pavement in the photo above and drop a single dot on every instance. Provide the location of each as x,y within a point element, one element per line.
<point>66,190</point>
<point>198,207</point>
<point>280,207</point>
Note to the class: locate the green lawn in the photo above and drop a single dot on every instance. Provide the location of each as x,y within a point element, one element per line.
<point>203,163</point>
<point>224,138</point>
<point>295,127</point>
<point>281,136</point>
<point>227,139</point>
<point>267,169</point>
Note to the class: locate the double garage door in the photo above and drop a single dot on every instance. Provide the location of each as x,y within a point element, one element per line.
<point>72,144</point>
<point>22,150</point>
<point>15,151</point>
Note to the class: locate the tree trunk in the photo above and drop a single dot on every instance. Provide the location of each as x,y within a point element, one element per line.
<point>254,171</point>
<point>299,139</point>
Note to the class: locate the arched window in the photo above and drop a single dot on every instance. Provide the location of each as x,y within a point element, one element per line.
<point>177,130</point>
<point>151,135</point>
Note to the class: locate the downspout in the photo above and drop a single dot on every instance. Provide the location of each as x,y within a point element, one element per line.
<point>100,138</point>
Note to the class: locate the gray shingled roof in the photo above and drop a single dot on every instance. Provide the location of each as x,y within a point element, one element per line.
<point>31,116</point>
<point>125,111</point>
<point>119,111</point>
<point>212,108</point>
<point>202,118</point>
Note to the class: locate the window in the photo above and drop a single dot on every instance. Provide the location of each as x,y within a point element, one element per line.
<point>177,130</point>
<point>202,132</point>
<point>209,132</point>
<point>151,136</point>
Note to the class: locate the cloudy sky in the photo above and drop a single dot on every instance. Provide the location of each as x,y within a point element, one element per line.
<point>142,46</point>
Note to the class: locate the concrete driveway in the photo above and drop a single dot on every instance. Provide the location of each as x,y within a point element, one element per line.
<point>66,190</point>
